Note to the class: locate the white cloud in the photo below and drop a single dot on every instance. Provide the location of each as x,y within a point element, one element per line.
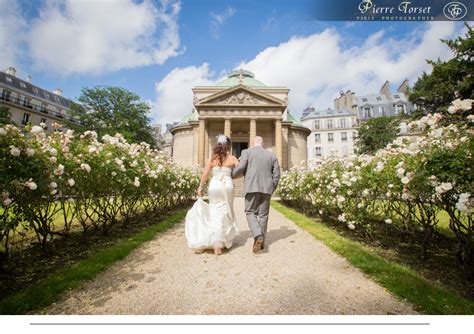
<point>317,67</point>
<point>218,19</point>
<point>101,36</point>
<point>174,95</point>
<point>12,27</point>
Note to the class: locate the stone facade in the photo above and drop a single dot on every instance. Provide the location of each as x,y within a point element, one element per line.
<point>333,132</point>
<point>30,104</point>
<point>240,107</point>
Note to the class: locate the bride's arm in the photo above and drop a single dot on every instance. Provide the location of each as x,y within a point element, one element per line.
<point>204,177</point>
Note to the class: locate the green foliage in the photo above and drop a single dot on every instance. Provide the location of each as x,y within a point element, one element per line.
<point>376,133</point>
<point>405,185</point>
<point>91,183</point>
<point>111,110</point>
<point>5,116</point>
<point>427,297</point>
<point>448,80</point>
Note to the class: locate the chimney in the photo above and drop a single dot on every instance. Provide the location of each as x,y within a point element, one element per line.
<point>58,91</point>
<point>28,79</point>
<point>11,70</point>
<point>385,90</point>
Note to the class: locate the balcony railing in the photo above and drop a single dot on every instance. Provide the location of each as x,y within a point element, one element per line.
<point>42,109</point>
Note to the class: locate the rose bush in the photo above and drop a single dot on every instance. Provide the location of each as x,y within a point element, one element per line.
<point>50,181</point>
<point>404,185</point>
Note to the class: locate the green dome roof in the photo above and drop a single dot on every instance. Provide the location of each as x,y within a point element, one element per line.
<point>186,118</point>
<point>243,77</point>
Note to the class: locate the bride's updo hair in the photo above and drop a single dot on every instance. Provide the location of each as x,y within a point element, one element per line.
<point>222,149</point>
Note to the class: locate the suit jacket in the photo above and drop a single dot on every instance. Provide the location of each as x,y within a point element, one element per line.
<point>261,170</point>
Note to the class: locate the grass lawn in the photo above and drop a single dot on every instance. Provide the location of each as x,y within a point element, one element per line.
<point>426,296</point>
<point>48,290</point>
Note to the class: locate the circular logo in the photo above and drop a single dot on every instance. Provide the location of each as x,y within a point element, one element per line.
<point>455,11</point>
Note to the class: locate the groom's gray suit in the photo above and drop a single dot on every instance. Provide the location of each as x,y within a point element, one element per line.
<point>261,175</point>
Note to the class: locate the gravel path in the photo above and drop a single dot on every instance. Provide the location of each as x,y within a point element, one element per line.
<point>296,274</point>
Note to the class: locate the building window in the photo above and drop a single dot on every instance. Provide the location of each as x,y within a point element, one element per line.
<point>6,95</point>
<point>343,136</point>
<point>342,122</point>
<point>345,151</point>
<point>364,99</point>
<point>317,137</point>
<point>367,112</point>
<point>379,98</point>
<point>46,94</point>
<point>22,84</point>
<point>354,135</point>
<point>400,108</point>
<point>27,102</point>
<point>26,118</point>
<point>354,123</point>
<point>382,111</point>
<point>43,120</point>
<point>318,151</point>
<point>316,124</point>
<point>35,90</point>
<point>330,137</point>
<point>396,96</point>
<point>9,79</point>
<point>329,123</point>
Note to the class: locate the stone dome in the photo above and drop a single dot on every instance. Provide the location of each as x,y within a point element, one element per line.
<point>243,77</point>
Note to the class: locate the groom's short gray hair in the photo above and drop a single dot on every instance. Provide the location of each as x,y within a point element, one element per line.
<point>258,141</point>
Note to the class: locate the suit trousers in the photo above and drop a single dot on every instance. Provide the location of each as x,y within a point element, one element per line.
<point>257,207</point>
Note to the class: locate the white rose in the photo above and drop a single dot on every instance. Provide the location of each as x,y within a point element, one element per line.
<point>15,151</point>
<point>7,201</point>
<point>446,186</point>
<point>30,152</point>
<point>31,185</point>
<point>342,217</point>
<point>53,185</point>
<point>71,182</point>
<point>136,183</point>
<point>86,167</point>
<point>114,174</point>
<point>388,221</point>
<point>3,132</point>
<point>53,160</point>
<point>36,129</point>
<point>405,180</point>
<point>351,226</point>
<point>59,170</point>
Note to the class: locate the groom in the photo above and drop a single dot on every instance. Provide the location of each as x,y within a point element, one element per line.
<point>261,175</point>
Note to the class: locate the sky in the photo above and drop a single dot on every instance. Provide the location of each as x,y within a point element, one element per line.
<point>160,49</point>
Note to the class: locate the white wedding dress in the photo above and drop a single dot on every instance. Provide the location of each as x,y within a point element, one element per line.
<point>213,225</point>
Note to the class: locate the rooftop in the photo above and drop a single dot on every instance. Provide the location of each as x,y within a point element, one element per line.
<point>18,84</point>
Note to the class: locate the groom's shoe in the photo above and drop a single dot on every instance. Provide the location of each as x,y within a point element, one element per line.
<point>258,245</point>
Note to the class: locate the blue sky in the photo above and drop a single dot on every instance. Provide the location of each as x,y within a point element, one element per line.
<point>160,49</point>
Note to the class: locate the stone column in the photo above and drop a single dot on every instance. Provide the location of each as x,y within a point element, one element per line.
<point>201,147</point>
<point>253,130</point>
<point>227,127</point>
<point>278,141</point>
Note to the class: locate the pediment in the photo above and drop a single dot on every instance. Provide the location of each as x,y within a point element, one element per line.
<point>240,95</point>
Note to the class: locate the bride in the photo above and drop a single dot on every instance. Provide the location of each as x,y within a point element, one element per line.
<point>213,225</point>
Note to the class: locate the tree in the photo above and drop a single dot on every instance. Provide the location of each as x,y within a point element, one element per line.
<point>448,80</point>
<point>108,110</point>
<point>376,133</point>
<point>5,116</point>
